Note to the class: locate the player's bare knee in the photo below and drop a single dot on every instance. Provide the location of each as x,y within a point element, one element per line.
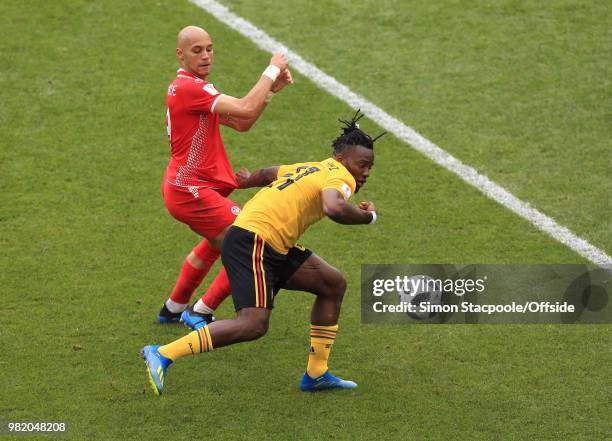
<point>254,327</point>
<point>336,285</point>
<point>260,329</point>
<point>218,240</point>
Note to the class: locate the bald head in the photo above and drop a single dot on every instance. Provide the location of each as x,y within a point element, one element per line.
<point>189,34</point>
<point>194,49</point>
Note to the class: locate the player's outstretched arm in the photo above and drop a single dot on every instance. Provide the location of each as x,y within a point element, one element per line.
<point>340,211</point>
<point>259,178</point>
<point>244,124</point>
<point>253,103</point>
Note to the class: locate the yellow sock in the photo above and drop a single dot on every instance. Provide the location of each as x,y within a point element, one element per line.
<point>193,343</point>
<point>321,340</point>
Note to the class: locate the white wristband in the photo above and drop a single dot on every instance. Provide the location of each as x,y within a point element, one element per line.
<point>272,72</point>
<point>374,217</point>
<point>269,97</point>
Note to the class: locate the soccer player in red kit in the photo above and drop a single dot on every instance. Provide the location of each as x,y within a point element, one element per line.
<point>199,177</point>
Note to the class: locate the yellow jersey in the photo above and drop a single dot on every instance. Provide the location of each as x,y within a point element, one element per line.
<point>282,211</point>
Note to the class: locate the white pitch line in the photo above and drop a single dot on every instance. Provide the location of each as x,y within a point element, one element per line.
<point>407,134</point>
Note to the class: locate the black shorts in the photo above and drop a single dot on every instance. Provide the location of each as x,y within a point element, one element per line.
<point>256,271</point>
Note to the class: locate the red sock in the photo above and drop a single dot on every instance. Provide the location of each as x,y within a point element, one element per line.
<point>190,277</point>
<point>218,291</point>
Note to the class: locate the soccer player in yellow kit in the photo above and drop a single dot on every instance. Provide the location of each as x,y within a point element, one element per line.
<point>261,255</point>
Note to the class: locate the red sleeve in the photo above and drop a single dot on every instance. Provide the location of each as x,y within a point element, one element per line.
<point>201,97</point>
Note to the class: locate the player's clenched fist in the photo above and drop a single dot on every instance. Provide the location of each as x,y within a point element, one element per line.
<point>279,60</point>
<point>367,206</point>
<point>242,177</point>
<point>283,79</point>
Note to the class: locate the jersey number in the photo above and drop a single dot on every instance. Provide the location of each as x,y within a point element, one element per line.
<point>305,171</point>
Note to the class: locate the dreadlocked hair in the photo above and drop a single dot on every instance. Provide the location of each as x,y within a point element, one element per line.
<point>352,135</point>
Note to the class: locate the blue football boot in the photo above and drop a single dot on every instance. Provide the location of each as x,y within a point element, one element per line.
<point>195,320</point>
<point>157,365</point>
<point>325,381</point>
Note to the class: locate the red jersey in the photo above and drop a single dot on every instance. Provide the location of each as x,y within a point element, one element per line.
<point>198,155</point>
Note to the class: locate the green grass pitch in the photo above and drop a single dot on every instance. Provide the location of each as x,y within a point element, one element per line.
<point>520,90</point>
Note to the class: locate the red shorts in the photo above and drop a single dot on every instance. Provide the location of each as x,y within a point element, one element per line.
<point>203,209</point>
